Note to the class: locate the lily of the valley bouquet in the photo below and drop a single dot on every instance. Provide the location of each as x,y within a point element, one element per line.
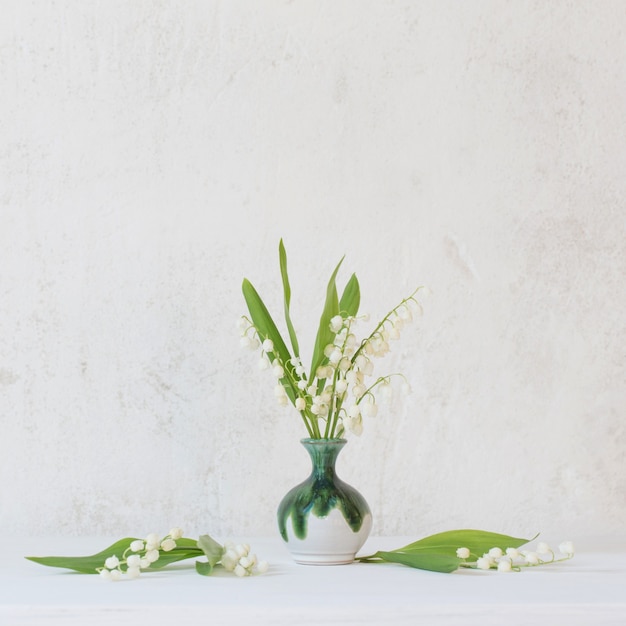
<point>337,391</point>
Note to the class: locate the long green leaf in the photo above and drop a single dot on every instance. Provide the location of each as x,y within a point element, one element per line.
<point>351,298</point>
<point>287,291</point>
<point>267,329</point>
<point>85,564</point>
<point>431,561</point>
<point>324,333</point>
<point>185,549</point>
<point>477,541</point>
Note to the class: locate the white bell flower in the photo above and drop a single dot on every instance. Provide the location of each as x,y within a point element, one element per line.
<point>505,565</point>
<point>152,556</point>
<point>167,545</point>
<point>354,411</point>
<point>112,562</point>
<point>341,385</point>
<point>463,553</point>
<point>369,409</point>
<point>137,545</point>
<point>134,560</point>
<point>336,323</point>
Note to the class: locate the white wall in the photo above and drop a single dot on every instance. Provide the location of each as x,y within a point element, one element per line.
<point>152,154</point>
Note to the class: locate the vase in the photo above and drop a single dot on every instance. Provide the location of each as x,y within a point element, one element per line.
<point>323,520</point>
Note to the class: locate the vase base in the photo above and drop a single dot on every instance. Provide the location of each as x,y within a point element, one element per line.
<point>329,540</point>
<point>323,559</point>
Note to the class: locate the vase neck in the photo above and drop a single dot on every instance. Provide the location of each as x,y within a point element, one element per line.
<point>323,453</point>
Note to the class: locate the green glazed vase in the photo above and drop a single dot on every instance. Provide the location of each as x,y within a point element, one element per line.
<point>323,520</point>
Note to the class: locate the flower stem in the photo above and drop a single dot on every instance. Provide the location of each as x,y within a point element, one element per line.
<point>382,323</point>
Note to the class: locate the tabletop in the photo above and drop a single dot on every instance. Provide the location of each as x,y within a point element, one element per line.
<point>588,589</point>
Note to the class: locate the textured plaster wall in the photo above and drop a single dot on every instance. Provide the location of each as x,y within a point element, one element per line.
<point>152,153</point>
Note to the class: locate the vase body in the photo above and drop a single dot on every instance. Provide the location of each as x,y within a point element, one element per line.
<point>323,520</point>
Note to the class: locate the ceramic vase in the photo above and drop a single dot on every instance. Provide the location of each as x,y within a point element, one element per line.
<point>323,520</point>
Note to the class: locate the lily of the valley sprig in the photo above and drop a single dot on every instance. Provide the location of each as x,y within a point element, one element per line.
<point>335,393</point>
<point>128,558</point>
<point>449,551</point>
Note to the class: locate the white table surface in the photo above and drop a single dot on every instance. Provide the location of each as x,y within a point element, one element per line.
<point>590,589</point>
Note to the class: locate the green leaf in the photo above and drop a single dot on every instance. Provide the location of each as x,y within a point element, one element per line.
<point>437,553</point>
<point>204,568</point>
<point>179,553</point>
<point>287,291</point>
<point>477,541</point>
<point>431,561</point>
<point>185,549</point>
<point>351,298</point>
<point>212,550</point>
<point>324,334</point>
<point>85,564</point>
<point>267,329</point>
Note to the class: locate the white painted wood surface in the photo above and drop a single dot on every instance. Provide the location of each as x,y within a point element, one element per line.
<point>589,589</point>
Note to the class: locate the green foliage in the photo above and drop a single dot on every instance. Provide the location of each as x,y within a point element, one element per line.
<point>267,329</point>
<point>351,298</point>
<point>287,293</point>
<point>437,553</point>
<point>327,420</point>
<point>185,549</point>
<point>325,335</point>
<point>204,568</point>
<point>85,564</point>
<point>431,561</point>
<point>213,552</point>
<point>477,541</point>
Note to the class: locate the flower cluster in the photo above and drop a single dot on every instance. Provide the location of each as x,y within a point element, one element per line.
<point>513,559</point>
<point>338,394</point>
<point>139,555</point>
<point>237,559</point>
<point>144,553</point>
